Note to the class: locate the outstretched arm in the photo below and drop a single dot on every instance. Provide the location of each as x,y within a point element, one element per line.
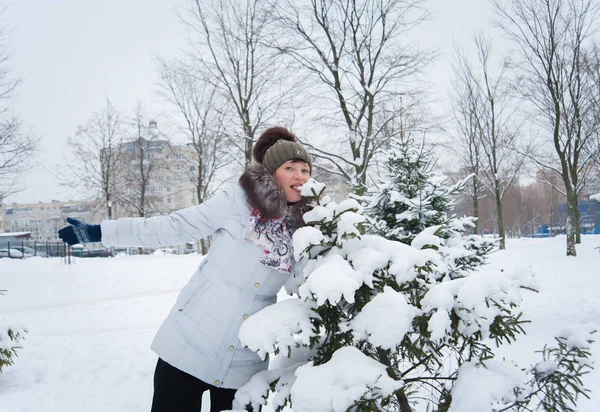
<point>186,225</point>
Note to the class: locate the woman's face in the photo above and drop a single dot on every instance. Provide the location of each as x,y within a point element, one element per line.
<point>291,176</point>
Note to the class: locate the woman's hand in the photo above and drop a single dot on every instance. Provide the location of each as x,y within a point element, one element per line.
<point>79,231</point>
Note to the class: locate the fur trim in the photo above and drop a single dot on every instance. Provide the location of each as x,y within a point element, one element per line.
<point>263,191</point>
<point>297,211</point>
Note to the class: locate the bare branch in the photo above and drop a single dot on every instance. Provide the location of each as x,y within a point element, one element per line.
<point>353,54</point>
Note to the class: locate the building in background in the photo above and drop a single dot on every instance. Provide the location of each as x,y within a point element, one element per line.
<point>14,237</point>
<point>592,184</point>
<point>44,219</point>
<point>159,171</point>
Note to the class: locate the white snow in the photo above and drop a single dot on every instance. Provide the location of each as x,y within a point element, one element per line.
<point>318,214</point>
<point>477,387</point>
<point>335,385</point>
<point>276,326</point>
<point>579,336</point>
<point>438,324</point>
<point>427,238</point>
<point>348,205</point>
<point>304,238</point>
<point>546,367</point>
<point>90,324</point>
<point>403,258</point>
<point>332,279</point>
<point>471,297</point>
<point>255,392</point>
<point>312,188</point>
<point>375,324</point>
<point>347,224</point>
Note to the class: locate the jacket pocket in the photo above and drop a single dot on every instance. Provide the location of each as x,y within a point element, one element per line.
<point>196,296</point>
<point>249,362</point>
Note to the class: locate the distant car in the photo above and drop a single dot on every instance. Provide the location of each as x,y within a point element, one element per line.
<point>78,250</point>
<point>165,251</point>
<point>14,254</point>
<point>97,253</point>
<point>31,251</point>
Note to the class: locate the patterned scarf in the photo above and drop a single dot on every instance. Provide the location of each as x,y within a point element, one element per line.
<point>275,237</point>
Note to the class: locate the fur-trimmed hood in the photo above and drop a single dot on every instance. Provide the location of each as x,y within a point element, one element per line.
<point>265,194</point>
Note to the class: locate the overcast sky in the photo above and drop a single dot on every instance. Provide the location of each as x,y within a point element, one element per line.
<point>73,54</point>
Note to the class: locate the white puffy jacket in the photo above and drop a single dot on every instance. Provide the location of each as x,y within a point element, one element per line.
<point>200,335</point>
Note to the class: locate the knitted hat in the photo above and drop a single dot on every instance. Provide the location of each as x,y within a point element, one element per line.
<point>281,152</point>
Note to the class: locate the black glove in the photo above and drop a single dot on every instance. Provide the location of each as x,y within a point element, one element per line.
<point>80,232</point>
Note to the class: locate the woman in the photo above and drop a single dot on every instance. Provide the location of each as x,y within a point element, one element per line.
<point>249,260</point>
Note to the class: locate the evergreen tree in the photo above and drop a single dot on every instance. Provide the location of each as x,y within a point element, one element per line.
<point>384,325</point>
<point>412,198</point>
<point>9,342</point>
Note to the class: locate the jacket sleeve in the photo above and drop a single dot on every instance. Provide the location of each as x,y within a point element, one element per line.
<point>185,225</point>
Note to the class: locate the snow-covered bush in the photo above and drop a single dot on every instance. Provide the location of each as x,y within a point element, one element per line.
<point>9,342</point>
<point>378,324</point>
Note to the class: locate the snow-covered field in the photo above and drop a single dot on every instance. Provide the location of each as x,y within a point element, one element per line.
<point>90,324</point>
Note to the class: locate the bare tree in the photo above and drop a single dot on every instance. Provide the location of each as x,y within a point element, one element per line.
<point>95,160</point>
<point>530,202</point>
<point>551,196</point>
<point>466,144</point>
<point>16,145</point>
<point>552,36</point>
<point>488,105</point>
<point>231,50</point>
<point>355,55</point>
<point>139,163</point>
<point>592,66</point>
<point>200,119</point>
<point>16,150</point>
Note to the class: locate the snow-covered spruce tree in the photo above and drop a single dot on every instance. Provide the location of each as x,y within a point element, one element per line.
<point>411,198</point>
<point>382,325</point>
<point>412,201</point>
<point>9,342</point>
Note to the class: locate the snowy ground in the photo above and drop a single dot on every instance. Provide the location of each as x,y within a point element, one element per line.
<point>90,324</point>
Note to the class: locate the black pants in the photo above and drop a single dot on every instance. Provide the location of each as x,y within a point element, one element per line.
<point>177,391</point>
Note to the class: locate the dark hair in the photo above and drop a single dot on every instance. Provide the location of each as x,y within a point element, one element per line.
<point>268,139</point>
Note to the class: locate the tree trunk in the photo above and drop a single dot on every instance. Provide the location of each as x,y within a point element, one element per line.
<point>577,221</point>
<point>570,223</point>
<point>141,211</point>
<point>109,207</point>
<point>475,206</point>
<point>248,137</point>
<point>501,233</point>
<point>400,395</point>
<point>551,218</point>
